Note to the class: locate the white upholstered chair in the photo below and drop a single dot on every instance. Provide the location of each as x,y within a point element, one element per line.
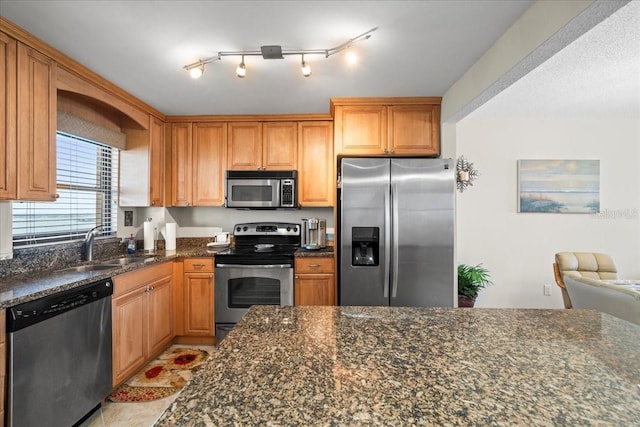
<point>591,265</point>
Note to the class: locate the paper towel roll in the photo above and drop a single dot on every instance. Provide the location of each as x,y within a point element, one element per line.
<point>148,236</point>
<point>170,236</point>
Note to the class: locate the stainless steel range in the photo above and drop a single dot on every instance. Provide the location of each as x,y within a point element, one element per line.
<point>258,270</point>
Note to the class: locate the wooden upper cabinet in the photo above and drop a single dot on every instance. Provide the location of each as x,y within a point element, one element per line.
<point>387,126</point>
<point>8,147</point>
<point>244,146</point>
<point>280,150</point>
<point>262,146</point>
<point>199,151</point>
<point>156,162</point>
<point>181,164</point>
<point>414,129</point>
<point>209,154</point>
<point>315,163</point>
<point>36,131</point>
<point>361,129</point>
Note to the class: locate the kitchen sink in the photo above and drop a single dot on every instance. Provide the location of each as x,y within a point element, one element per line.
<point>91,267</point>
<point>118,262</point>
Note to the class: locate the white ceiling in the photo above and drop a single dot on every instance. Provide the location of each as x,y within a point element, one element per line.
<point>596,76</point>
<point>420,49</point>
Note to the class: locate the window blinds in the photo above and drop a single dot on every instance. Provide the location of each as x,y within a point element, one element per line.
<point>87,185</point>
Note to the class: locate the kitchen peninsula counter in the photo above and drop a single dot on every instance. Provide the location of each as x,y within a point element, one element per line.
<point>412,366</point>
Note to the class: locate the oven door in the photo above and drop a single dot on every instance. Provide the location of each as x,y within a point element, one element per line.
<point>253,193</point>
<point>237,287</point>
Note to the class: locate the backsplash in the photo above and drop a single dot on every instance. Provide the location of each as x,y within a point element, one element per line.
<point>33,259</point>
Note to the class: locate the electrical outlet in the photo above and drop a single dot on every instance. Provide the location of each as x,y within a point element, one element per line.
<point>547,290</point>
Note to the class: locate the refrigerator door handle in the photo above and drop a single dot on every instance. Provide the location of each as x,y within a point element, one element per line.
<point>394,219</point>
<point>387,240</point>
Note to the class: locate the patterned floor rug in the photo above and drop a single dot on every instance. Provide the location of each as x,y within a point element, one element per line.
<point>162,377</point>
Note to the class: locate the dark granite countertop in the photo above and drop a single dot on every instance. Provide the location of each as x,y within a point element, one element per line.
<point>292,366</point>
<point>28,287</point>
<point>324,252</point>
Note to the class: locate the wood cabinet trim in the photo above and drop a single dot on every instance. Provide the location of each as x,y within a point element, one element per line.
<point>248,118</point>
<point>8,118</point>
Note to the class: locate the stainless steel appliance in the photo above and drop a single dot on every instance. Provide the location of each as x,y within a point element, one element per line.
<point>262,189</point>
<point>396,232</point>
<point>314,233</point>
<point>60,356</point>
<point>258,270</point>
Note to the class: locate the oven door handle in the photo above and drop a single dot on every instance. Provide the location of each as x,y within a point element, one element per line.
<point>253,266</point>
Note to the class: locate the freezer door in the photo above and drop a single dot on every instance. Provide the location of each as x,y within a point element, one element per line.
<point>365,193</point>
<point>422,194</point>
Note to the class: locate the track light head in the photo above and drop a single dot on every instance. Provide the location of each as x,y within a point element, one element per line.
<point>241,71</point>
<point>306,69</point>
<point>196,72</point>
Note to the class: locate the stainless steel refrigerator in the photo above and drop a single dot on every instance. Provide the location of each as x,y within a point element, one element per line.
<point>396,232</point>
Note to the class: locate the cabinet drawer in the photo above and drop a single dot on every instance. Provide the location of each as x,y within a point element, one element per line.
<point>127,282</point>
<point>314,265</point>
<point>198,264</point>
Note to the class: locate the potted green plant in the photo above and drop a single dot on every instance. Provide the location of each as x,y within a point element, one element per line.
<point>471,279</point>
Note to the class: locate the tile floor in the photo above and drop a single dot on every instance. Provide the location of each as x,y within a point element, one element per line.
<point>143,414</point>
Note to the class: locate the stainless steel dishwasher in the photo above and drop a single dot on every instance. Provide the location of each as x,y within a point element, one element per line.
<point>60,356</point>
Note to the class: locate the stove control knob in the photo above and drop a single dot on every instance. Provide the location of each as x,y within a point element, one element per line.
<point>245,228</point>
<point>288,228</point>
<point>295,229</point>
<point>238,229</point>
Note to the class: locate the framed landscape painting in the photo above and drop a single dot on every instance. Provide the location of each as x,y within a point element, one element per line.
<point>559,186</point>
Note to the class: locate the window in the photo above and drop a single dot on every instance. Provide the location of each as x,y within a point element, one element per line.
<point>87,185</point>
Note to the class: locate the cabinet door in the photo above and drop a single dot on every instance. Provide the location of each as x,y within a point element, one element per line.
<point>315,289</point>
<point>361,129</point>
<point>280,149</point>
<point>36,125</point>
<point>129,336</point>
<point>199,304</point>
<point>156,162</point>
<point>160,315</point>
<point>414,129</point>
<point>181,164</point>
<point>8,148</point>
<point>244,149</point>
<point>315,164</point>
<point>209,163</point>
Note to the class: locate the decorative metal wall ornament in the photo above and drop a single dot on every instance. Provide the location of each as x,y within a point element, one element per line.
<point>465,174</point>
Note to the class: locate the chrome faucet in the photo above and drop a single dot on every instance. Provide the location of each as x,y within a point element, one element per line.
<point>87,245</point>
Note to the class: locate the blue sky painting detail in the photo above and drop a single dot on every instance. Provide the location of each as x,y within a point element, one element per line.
<point>559,186</point>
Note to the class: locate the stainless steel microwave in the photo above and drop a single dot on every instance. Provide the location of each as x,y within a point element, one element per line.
<point>262,189</point>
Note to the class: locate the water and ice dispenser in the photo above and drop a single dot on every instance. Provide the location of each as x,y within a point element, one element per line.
<point>365,246</point>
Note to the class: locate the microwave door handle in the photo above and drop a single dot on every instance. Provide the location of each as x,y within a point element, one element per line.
<point>253,266</point>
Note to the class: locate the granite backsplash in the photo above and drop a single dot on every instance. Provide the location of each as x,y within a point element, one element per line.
<point>54,257</point>
<point>29,259</point>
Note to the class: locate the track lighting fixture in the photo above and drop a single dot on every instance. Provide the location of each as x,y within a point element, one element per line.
<point>196,69</point>
<point>306,69</point>
<point>241,71</point>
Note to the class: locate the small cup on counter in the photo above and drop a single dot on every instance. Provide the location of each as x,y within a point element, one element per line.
<point>221,237</point>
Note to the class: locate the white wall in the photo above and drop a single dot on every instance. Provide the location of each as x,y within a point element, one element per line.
<point>519,248</point>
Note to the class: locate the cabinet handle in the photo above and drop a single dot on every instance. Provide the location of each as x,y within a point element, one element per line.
<point>297,277</point>
<point>313,265</point>
<point>198,265</point>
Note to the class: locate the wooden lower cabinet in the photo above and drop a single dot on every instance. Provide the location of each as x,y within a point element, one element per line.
<point>194,300</point>
<point>198,297</point>
<point>315,282</point>
<point>142,318</point>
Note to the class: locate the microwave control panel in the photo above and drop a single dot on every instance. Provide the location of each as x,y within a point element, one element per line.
<point>287,196</point>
